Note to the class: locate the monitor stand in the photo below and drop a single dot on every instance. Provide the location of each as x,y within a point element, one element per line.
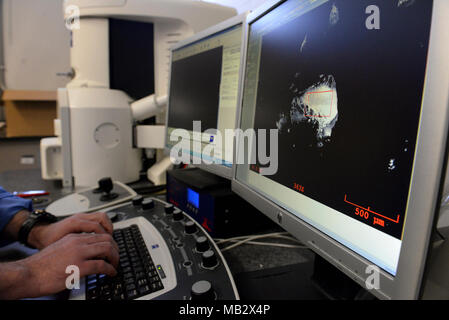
<point>335,285</point>
<point>289,282</point>
<point>314,279</point>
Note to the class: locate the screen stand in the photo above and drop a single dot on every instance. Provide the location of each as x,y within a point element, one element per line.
<point>436,281</point>
<point>335,285</point>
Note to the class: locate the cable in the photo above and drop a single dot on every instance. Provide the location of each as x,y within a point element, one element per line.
<point>220,241</point>
<point>273,244</point>
<point>250,240</point>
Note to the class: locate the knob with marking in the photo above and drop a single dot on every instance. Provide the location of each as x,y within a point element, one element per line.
<point>209,259</point>
<point>203,291</point>
<point>190,227</point>
<point>202,245</point>
<point>178,215</point>
<point>147,204</point>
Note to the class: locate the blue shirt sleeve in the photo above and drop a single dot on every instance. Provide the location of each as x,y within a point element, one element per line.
<point>9,206</point>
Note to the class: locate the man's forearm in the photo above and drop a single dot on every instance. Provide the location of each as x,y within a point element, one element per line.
<point>11,231</point>
<point>14,281</point>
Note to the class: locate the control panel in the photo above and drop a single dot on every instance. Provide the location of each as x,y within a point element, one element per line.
<point>194,268</point>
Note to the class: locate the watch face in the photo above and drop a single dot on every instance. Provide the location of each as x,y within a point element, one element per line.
<point>43,215</point>
<point>38,213</point>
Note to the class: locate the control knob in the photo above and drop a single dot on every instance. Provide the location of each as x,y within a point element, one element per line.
<point>209,259</point>
<point>190,227</point>
<point>169,208</point>
<point>203,291</point>
<point>202,245</point>
<point>178,215</point>
<point>137,201</point>
<point>147,204</point>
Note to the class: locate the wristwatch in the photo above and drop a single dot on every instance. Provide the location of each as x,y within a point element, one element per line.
<point>37,216</point>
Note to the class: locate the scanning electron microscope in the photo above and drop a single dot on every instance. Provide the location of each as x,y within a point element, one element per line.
<point>120,55</point>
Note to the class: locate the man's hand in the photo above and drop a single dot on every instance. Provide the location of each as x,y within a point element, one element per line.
<point>45,272</point>
<point>42,236</point>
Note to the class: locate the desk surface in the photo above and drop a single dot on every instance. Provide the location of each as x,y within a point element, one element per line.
<point>241,260</point>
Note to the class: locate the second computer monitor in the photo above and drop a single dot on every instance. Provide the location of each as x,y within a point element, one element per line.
<point>357,92</point>
<point>203,97</point>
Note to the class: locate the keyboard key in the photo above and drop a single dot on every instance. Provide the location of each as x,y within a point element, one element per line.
<point>145,289</point>
<point>132,294</point>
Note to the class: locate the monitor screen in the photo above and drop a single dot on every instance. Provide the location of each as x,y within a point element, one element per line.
<point>203,96</point>
<point>342,82</point>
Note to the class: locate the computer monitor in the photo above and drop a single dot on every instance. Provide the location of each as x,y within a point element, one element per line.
<point>203,97</point>
<point>358,94</point>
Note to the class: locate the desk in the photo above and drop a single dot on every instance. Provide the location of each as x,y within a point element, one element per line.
<point>260,272</point>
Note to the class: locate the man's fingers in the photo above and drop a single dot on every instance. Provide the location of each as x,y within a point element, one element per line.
<point>83,225</point>
<point>97,267</point>
<point>102,250</point>
<point>89,239</point>
<point>99,217</point>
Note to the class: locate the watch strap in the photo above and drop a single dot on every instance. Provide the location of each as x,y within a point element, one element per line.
<point>37,216</point>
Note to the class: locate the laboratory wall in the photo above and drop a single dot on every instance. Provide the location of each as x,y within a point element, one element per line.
<point>36,43</point>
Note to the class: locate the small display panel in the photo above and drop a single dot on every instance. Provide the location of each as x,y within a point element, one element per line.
<point>193,198</point>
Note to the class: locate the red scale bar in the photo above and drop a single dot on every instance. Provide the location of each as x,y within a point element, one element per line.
<point>373,212</point>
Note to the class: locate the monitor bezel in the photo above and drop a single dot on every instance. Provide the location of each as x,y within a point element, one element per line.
<point>426,183</point>
<point>220,170</point>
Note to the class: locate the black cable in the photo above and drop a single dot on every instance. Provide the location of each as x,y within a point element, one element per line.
<point>149,189</point>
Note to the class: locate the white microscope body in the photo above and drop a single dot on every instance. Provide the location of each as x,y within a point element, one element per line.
<point>95,124</point>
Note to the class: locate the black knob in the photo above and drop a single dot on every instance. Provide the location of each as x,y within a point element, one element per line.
<point>178,215</point>
<point>202,244</point>
<point>203,291</point>
<point>137,201</point>
<point>169,208</point>
<point>105,185</point>
<point>209,259</point>
<point>147,204</point>
<point>190,227</point>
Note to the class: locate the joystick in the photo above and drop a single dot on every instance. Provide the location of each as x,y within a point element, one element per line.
<point>105,186</point>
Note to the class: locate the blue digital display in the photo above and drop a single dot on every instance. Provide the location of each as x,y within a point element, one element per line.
<point>193,198</point>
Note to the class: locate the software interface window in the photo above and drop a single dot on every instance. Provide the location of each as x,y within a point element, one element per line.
<point>204,87</point>
<point>347,102</point>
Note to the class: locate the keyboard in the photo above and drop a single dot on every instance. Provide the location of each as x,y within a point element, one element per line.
<point>137,275</point>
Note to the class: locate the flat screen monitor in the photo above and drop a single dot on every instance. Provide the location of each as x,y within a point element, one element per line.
<point>357,94</point>
<point>203,97</point>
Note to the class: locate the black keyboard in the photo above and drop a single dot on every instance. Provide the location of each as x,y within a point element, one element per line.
<point>137,275</point>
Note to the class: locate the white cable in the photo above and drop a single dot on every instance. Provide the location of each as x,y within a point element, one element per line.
<point>272,244</point>
<point>248,239</point>
<point>220,241</point>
